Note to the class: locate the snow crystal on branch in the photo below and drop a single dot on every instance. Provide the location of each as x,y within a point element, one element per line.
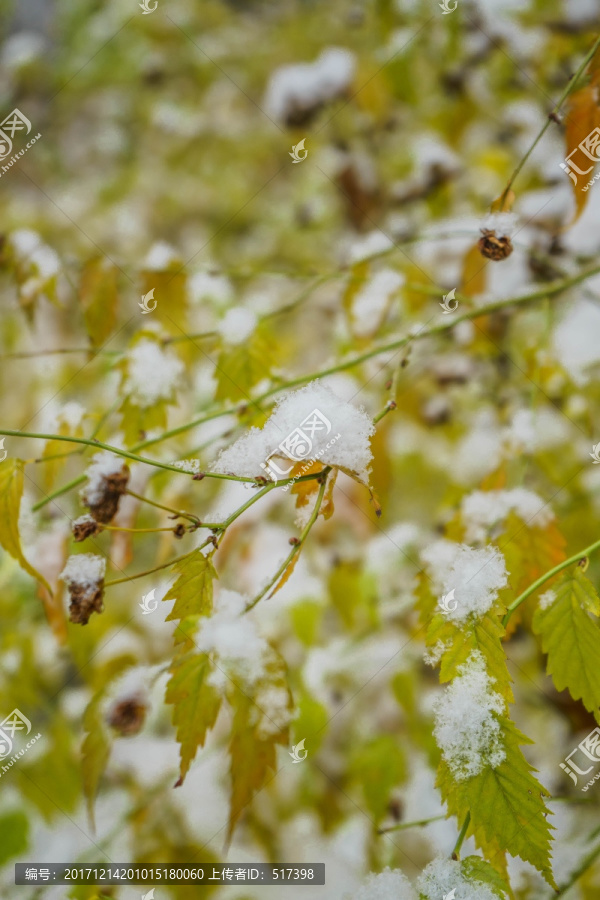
<point>388,885</point>
<point>442,875</point>
<point>466,728</point>
<point>237,325</point>
<point>350,427</point>
<point>192,466</point>
<point>152,373</point>
<point>296,91</point>
<point>83,569</point>
<point>483,509</point>
<point>475,576</point>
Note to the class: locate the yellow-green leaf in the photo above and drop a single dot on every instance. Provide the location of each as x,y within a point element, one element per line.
<point>196,704</point>
<point>242,366</point>
<point>11,491</point>
<point>253,755</point>
<point>95,751</point>
<point>570,635</point>
<point>478,870</point>
<point>506,805</point>
<point>98,298</point>
<point>483,634</point>
<point>193,590</point>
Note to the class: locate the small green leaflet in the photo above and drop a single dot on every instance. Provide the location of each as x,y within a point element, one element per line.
<point>506,804</point>
<point>571,638</point>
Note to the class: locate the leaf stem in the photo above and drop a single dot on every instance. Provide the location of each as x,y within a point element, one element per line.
<point>155,569</point>
<point>168,509</point>
<point>403,825</point>
<point>569,88</point>
<point>587,551</point>
<point>298,545</point>
<point>461,837</point>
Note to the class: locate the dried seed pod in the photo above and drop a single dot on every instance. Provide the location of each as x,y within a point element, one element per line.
<point>494,246</point>
<point>85,526</point>
<point>107,482</point>
<point>84,577</point>
<point>128,715</point>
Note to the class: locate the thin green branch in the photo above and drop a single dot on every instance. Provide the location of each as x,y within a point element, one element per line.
<point>404,825</point>
<point>586,863</point>
<point>174,512</point>
<point>449,322</point>
<point>587,551</point>
<point>568,90</point>
<point>155,569</point>
<point>297,545</point>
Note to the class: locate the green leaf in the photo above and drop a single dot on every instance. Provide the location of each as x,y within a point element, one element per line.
<point>571,638</point>
<point>193,590</point>
<point>14,828</point>
<point>241,367</point>
<point>483,634</point>
<point>506,804</point>
<point>309,722</point>
<point>11,491</point>
<point>378,766</point>
<point>98,298</point>
<point>477,869</point>
<point>196,705</point>
<point>95,751</point>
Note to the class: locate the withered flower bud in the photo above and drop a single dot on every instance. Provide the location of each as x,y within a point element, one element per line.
<point>107,482</point>
<point>84,577</point>
<point>127,716</point>
<point>494,246</point>
<point>84,527</point>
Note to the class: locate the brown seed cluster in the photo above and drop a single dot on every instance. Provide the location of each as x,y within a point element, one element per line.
<point>104,501</point>
<point>84,527</point>
<point>494,246</point>
<point>85,599</point>
<point>127,716</point>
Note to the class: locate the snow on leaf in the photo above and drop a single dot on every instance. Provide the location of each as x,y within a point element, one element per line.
<point>571,639</point>
<point>11,491</point>
<point>196,704</point>
<point>507,806</point>
<point>484,635</point>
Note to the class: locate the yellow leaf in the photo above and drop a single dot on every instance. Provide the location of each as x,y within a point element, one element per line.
<point>11,491</point>
<point>242,366</point>
<point>581,118</point>
<point>252,750</point>
<point>473,278</point>
<point>287,573</point>
<point>98,298</point>
<point>503,203</point>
